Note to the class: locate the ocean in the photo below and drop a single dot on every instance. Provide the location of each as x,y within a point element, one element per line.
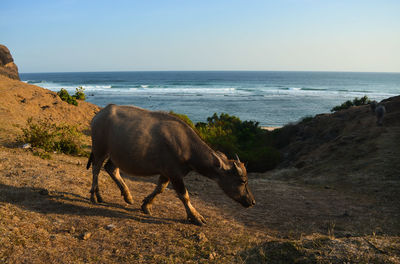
<point>272,98</point>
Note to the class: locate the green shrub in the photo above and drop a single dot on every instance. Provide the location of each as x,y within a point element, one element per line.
<point>245,138</point>
<point>306,119</point>
<point>356,102</point>
<point>361,101</point>
<point>64,95</point>
<point>79,95</point>
<point>51,137</point>
<point>231,136</point>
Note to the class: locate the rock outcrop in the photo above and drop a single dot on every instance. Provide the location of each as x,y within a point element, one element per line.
<point>7,65</point>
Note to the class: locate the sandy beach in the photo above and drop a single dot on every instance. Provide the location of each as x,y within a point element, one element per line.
<point>270,128</point>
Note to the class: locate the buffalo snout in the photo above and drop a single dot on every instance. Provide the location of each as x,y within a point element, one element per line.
<point>248,202</point>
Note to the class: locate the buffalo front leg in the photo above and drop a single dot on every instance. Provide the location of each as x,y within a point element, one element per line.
<point>183,195</point>
<point>113,171</point>
<point>147,202</point>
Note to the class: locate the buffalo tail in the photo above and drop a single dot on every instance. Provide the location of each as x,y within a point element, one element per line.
<point>89,161</point>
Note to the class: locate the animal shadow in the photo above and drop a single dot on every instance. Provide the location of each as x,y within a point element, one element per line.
<point>64,203</point>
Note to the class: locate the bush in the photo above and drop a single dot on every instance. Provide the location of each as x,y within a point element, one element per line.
<point>250,142</point>
<point>306,119</point>
<point>51,137</point>
<point>231,136</point>
<point>79,95</point>
<point>64,95</point>
<point>356,102</point>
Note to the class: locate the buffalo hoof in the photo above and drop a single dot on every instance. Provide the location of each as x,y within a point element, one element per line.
<point>128,199</point>
<point>93,199</point>
<point>197,220</point>
<point>99,198</point>
<point>146,208</point>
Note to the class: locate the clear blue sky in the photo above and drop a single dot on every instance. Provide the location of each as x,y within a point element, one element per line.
<point>316,35</point>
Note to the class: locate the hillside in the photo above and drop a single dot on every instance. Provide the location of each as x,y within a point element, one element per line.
<point>20,101</point>
<point>333,200</point>
<point>347,149</point>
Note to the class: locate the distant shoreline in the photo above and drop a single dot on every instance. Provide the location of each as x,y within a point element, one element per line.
<point>270,128</point>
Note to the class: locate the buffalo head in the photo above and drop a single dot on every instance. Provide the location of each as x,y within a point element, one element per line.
<point>232,179</point>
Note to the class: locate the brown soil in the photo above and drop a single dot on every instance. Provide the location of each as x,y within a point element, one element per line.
<point>20,101</point>
<point>311,212</point>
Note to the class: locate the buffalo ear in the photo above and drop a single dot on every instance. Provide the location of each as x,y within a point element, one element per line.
<point>239,170</point>
<point>222,156</point>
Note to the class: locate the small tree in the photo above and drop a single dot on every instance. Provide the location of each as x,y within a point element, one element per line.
<point>64,95</point>
<point>356,102</point>
<point>79,95</point>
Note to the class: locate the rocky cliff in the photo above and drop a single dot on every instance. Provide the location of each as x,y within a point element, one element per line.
<point>7,65</point>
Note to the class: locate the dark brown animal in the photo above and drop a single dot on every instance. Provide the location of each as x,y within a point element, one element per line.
<point>379,110</point>
<point>142,142</point>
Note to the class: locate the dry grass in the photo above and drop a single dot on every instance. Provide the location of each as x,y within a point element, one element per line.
<point>45,211</point>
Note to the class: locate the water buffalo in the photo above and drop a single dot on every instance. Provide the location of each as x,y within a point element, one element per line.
<point>143,142</point>
<point>379,110</point>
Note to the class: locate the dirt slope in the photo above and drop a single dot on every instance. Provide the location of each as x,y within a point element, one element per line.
<point>348,150</point>
<point>20,101</point>
<point>46,216</point>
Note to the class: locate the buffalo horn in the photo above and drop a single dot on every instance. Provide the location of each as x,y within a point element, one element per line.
<point>237,158</point>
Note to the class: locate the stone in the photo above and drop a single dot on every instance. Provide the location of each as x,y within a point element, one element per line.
<point>201,237</point>
<point>110,227</point>
<point>85,236</point>
<point>212,255</point>
<point>26,146</point>
<point>7,65</point>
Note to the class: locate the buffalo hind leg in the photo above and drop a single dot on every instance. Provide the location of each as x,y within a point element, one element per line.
<point>95,196</point>
<point>147,202</point>
<point>113,171</point>
<point>183,195</point>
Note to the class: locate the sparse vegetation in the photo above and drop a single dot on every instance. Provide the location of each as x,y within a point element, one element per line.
<point>331,229</point>
<point>306,119</point>
<point>79,95</point>
<point>356,102</point>
<point>278,252</point>
<point>49,137</point>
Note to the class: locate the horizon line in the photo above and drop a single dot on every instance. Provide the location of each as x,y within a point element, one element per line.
<point>109,71</point>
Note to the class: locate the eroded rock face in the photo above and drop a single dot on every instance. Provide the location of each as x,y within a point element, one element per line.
<point>7,65</point>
